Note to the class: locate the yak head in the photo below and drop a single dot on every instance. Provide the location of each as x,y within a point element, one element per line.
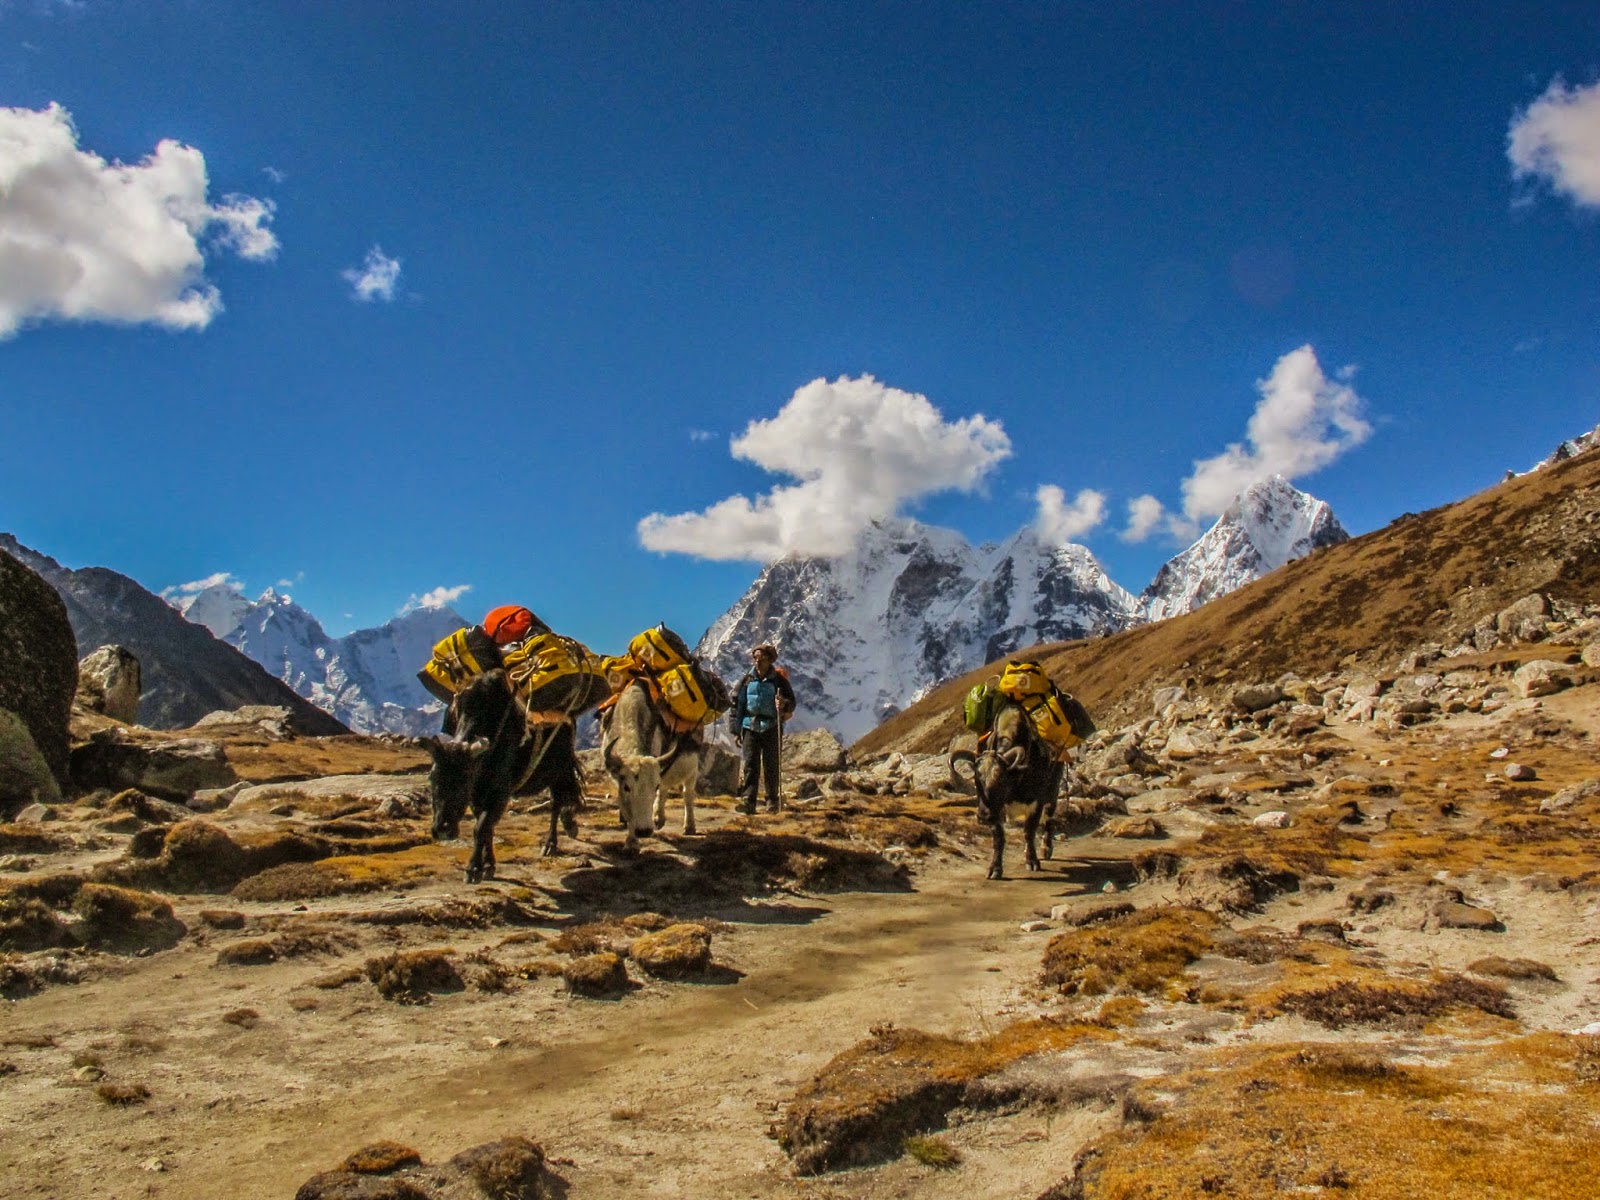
<point>1001,769</point>
<point>638,779</point>
<point>451,780</point>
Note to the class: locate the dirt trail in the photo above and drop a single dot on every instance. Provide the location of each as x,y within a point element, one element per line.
<point>668,1091</point>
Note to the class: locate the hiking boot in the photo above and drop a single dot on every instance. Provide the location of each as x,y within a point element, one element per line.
<point>748,808</point>
<point>772,806</point>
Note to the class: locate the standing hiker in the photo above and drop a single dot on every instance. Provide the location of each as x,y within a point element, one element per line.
<point>762,701</point>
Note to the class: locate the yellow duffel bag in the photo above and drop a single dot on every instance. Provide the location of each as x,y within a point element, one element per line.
<point>658,649</point>
<point>1021,680</point>
<point>556,674</point>
<point>457,660</point>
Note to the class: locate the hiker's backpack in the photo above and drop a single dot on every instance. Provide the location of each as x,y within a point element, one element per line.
<point>658,649</point>
<point>551,673</point>
<point>458,660</point>
<point>1024,680</point>
<point>982,702</point>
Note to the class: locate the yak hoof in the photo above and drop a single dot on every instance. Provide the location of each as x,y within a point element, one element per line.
<point>996,873</point>
<point>661,821</point>
<point>548,849</point>
<point>1033,865</point>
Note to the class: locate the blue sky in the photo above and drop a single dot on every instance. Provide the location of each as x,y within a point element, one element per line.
<point>386,298</point>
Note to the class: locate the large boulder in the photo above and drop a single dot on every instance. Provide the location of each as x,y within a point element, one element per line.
<point>38,662</point>
<point>108,683</point>
<point>719,772</point>
<point>815,752</point>
<point>25,777</point>
<point>172,770</point>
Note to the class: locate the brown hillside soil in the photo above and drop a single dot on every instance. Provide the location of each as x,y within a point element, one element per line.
<point>1421,578</point>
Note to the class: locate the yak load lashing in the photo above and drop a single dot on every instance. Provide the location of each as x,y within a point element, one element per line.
<point>1027,729</point>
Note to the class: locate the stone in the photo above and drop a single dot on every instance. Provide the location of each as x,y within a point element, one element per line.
<point>1591,655</point>
<point>1567,797</point>
<point>175,769</point>
<point>213,799</point>
<point>1190,743</point>
<point>1453,914</point>
<point>719,771</point>
<point>409,792</point>
<point>108,683</point>
<point>808,788</point>
<point>1272,820</point>
<point>1036,926</point>
<point>1253,697</point>
<point>1161,800</point>
<point>38,666</point>
<point>1166,697</point>
<point>34,814</point>
<point>1541,677</point>
<point>816,751</point>
<point>1520,773</point>
<point>25,776</point>
<point>276,721</point>
<point>1525,621</point>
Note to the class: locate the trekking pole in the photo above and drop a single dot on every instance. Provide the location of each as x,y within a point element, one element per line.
<point>778,790</point>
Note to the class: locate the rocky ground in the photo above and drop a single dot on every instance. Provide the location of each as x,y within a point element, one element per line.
<point>1329,934</point>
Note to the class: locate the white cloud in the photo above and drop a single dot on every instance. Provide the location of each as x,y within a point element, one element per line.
<point>200,585</point>
<point>701,435</point>
<point>860,450</point>
<point>439,597</point>
<point>274,174</point>
<point>1557,139</point>
<point>1144,516</point>
<point>83,239</point>
<point>1303,422</point>
<point>375,278</point>
<point>1059,522</point>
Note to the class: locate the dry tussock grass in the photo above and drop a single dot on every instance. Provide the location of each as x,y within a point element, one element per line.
<point>342,876</point>
<point>1141,951</point>
<point>411,976</point>
<point>1513,1120</point>
<point>257,759</point>
<point>899,1083</point>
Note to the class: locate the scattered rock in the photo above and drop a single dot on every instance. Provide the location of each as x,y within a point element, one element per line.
<point>1568,796</point>
<point>816,751</point>
<point>1520,773</point>
<point>1540,677</point>
<point>174,769</point>
<point>1453,914</point>
<point>108,683</point>
<point>1253,697</point>
<point>1272,820</point>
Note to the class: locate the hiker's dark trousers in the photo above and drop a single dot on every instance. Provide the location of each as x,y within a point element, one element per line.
<point>759,755</point>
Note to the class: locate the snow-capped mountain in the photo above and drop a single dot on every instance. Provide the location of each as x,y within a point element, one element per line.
<point>1267,524</point>
<point>867,633</point>
<point>367,679</point>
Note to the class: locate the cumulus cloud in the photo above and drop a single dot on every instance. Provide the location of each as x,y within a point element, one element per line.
<point>701,435</point>
<point>1557,139</point>
<point>200,585</point>
<point>1303,422</point>
<point>1058,522</point>
<point>83,239</point>
<point>859,449</point>
<point>375,278</point>
<point>1147,516</point>
<point>439,597</point>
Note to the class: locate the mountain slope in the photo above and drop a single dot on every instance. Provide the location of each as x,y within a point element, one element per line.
<point>864,634</point>
<point>366,679</point>
<point>1363,599</point>
<point>186,672</point>
<point>1267,525</point>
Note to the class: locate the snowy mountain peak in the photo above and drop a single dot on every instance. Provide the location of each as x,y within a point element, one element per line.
<point>909,606</point>
<point>1267,525</point>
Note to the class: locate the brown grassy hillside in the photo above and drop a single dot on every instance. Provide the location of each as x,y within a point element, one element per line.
<point>1370,597</point>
